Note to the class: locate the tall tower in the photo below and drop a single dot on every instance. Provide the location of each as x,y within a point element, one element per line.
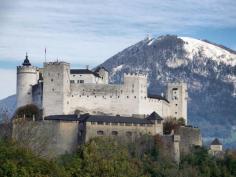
<point>56,88</point>
<point>177,95</point>
<point>26,77</point>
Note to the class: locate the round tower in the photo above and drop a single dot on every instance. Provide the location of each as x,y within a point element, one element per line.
<point>26,77</point>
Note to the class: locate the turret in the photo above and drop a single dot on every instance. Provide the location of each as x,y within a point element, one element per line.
<point>56,88</point>
<point>177,95</point>
<point>26,77</point>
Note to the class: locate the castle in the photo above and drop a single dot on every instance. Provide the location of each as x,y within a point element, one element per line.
<point>59,90</point>
<point>80,104</point>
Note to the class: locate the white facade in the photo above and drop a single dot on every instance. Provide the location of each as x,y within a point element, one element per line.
<point>66,91</point>
<point>27,76</point>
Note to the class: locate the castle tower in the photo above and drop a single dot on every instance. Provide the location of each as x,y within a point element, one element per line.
<point>26,77</point>
<point>177,95</point>
<point>56,88</point>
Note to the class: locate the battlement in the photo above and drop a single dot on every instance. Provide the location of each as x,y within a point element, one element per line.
<point>23,69</point>
<point>135,75</point>
<point>56,63</point>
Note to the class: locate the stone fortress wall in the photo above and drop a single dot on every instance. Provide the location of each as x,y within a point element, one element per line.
<point>62,90</point>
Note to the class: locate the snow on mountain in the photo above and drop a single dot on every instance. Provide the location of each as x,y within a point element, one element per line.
<point>195,47</point>
<point>208,69</point>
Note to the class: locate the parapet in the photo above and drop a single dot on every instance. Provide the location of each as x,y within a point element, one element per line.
<point>56,63</point>
<point>136,75</point>
<point>22,69</point>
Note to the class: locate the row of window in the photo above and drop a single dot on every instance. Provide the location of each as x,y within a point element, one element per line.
<point>95,96</point>
<point>78,81</point>
<point>116,133</point>
<point>121,124</point>
<point>113,133</point>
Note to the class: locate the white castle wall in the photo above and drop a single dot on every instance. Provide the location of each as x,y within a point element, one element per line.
<point>60,96</point>
<point>56,88</point>
<point>27,76</point>
<point>125,99</point>
<point>178,96</point>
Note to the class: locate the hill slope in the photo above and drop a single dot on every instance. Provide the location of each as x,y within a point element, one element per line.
<point>209,70</point>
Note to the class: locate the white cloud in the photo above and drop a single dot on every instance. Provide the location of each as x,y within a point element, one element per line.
<point>7,82</point>
<point>91,31</point>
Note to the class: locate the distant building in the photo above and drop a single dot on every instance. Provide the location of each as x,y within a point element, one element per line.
<point>216,148</point>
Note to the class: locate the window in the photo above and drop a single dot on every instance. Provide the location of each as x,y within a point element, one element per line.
<point>53,89</point>
<point>100,123</point>
<point>51,80</point>
<point>176,104</point>
<point>81,81</point>
<point>114,123</point>
<point>118,96</point>
<point>77,81</point>
<point>135,97</point>
<point>175,112</point>
<point>72,81</point>
<point>107,123</point>
<point>127,96</point>
<point>129,134</point>
<point>114,133</point>
<point>93,123</point>
<point>100,132</point>
<point>142,125</point>
<point>122,124</point>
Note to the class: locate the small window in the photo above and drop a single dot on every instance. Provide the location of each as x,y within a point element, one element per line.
<point>51,80</point>
<point>107,123</point>
<point>118,96</point>
<point>127,96</point>
<point>135,97</point>
<point>175,112</point>
<point>176,104</point>
<point>81,81</point>
<point>100,132</point>
<point>110,96</point>
<point>93,123</point>
<point>121,91</point>
<point>129,134</point>
<point>100,123</point>
<point>142,125</point>
<point>72,81</point>
<point>122,124</point>
<point>78,81</point>
<point>114,123</point>
<point>114,133</point>
<point>53,89</point>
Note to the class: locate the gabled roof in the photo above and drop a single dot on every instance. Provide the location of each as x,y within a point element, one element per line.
<point>154,116</point>
<point>83,71</point>
<point>216,142</point>
<point>159,97</point>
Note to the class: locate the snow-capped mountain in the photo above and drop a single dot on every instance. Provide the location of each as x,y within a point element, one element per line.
<point>209,70</point>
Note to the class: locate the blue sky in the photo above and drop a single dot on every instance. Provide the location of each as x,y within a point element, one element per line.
<point>90,31</point>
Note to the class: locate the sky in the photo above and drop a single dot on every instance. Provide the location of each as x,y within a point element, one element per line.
<point>87,32</point>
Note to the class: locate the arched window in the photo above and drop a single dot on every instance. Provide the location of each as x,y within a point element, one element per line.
<point>114,133</point>
<point>100,132</point>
